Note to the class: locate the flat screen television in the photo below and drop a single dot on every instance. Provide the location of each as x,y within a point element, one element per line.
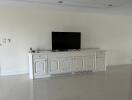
<point>66,40</point>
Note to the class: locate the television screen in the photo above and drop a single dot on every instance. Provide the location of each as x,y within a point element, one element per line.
<point>66,40</point>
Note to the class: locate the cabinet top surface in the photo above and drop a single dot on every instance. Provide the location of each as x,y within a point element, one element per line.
<point>69,51</point>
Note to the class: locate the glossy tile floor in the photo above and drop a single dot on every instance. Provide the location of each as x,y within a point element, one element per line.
<point>115,84</point>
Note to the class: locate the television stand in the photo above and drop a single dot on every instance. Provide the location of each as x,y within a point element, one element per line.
<point>47,63</point>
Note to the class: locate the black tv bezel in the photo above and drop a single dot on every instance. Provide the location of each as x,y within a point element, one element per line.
<point>57,49</point>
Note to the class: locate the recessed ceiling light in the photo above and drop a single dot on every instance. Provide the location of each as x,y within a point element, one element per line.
<point>60,1</point>
<point>110,5</point>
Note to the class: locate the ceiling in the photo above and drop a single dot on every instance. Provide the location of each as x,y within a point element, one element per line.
<point>97,6</point>
<point>74,3</point>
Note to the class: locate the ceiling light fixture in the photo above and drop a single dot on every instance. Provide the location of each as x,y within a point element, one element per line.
<point>60,1</point>
<point>110,5</point>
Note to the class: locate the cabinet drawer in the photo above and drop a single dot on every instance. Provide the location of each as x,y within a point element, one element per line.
<point>39,56</point>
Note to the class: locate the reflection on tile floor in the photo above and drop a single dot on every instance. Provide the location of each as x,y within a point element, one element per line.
<point>114,84</point>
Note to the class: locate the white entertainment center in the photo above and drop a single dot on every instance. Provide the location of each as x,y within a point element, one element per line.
<point>47,63</point>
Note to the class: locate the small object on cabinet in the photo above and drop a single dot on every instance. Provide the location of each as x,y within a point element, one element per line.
<point>32,51</point>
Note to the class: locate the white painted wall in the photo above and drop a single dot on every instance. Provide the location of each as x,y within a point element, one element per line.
<point>32,28</point>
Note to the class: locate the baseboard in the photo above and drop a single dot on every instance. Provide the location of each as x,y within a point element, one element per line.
<point>7,73</point>
<point>118,65</point>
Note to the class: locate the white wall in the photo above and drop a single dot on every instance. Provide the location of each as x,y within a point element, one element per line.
<point>32,28</point>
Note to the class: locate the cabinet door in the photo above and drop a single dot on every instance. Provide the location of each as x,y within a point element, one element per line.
<point>54,65</point>
<point>100,61</point>
<point>40,66</point>
<point>100,64</point>
<point>65,65</point>
<point>88,63</point>
<point>77,64</point>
